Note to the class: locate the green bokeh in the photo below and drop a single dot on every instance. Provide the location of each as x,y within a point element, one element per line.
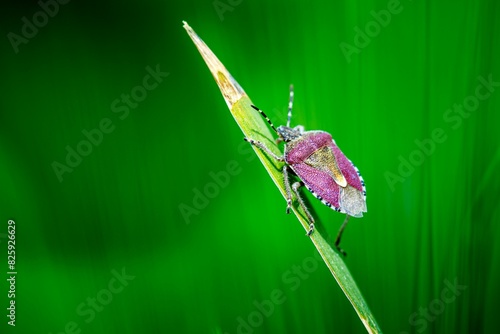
<point>120,206</point>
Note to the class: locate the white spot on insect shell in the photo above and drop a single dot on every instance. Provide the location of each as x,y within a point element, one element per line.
<point>352,201</point>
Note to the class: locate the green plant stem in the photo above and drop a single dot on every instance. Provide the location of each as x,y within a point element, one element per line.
<point>253,126</point>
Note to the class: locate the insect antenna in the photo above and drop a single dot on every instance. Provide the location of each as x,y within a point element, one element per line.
<point>265,116</point>
<point>290,105</point>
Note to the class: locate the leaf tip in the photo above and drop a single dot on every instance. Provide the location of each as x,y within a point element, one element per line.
<point>230,89</point>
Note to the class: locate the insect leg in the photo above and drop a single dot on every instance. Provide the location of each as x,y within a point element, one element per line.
<point>287,189</point>
<point>295,188</point>
<point>339,235</point>
<point>264,148</point>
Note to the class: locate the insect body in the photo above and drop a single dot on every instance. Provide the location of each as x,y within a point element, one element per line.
<point>320,165</point>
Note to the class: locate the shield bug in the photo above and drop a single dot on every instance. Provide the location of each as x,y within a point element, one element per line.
<point>314,157</point>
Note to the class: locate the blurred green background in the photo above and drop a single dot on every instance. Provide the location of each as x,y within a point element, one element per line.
<point>105,247</point>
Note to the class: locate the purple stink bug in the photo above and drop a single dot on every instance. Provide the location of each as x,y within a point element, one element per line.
<point>314,157</point>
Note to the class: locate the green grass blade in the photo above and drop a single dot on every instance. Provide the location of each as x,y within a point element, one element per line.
<point>253,126</point>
